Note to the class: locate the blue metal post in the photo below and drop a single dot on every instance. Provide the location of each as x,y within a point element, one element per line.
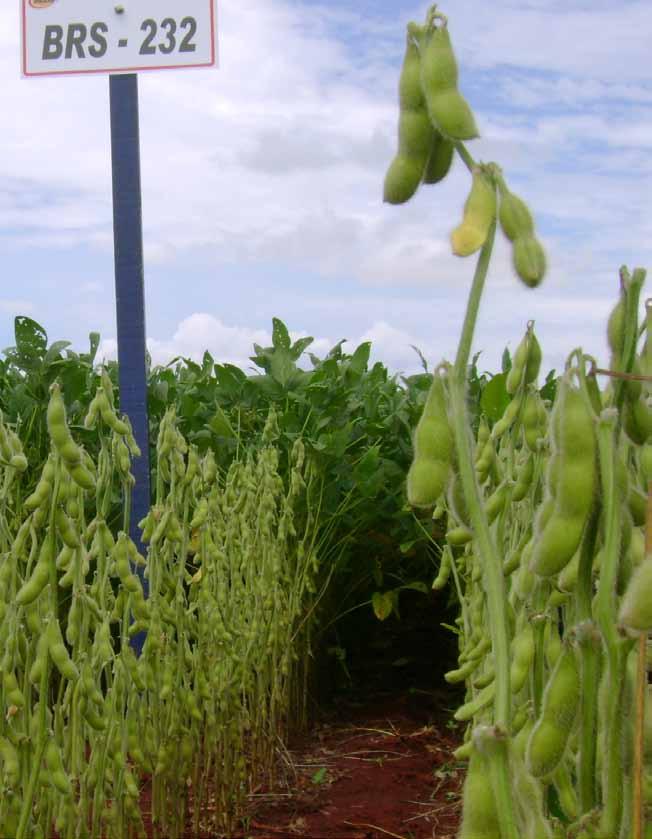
<point>129,282</point>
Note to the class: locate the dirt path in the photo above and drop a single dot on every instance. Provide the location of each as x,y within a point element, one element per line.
<point>369,771</point>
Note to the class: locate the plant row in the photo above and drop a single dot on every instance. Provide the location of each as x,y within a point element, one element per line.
<point>230,564</point>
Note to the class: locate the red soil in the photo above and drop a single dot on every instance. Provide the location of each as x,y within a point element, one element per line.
<point>377,771</point>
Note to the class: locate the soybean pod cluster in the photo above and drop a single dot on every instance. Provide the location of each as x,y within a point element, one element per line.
<point>434,120</point>
<point>562,477</point>
<point>230,563</point>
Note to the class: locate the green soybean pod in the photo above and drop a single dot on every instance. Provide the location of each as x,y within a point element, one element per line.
<point>110,419</point>
<point>524,478</point>
<point>479,813</point>
<point>10,761</point>
<point>56,773</point>
<point>479,213</point>
<point>81,476</point>
<point>636,607</point>
<point>444,570</point>
<point>59,653</point>
<point>457,537</point>
<point>40,661</point>
<point>40,496</point>
<point>439,70</point>
<point>523,649</point>
<point>496,502</point>
<point>415,132</point>
<point>474,706</point>
<point>433,449</point>
<point>13,694</point>
<point>40,576</point>
<point>529,259</point>
<point>514,215</point>
<point>462,673</point>
<point>448,109</point>
<point>58,428</point>
<point>637,421</point>
<point>463,752</point>
<point>534,418</point>
<point>509,417</point>
<point>561,701</point>
<point>616,327</point>
<point>201,514</point>
<point>440,160</point>
<point>526,362</point>
<point>65,528</point>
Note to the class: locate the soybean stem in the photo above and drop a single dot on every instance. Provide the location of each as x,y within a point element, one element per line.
<point>466,157</point>
<point>491,564</point>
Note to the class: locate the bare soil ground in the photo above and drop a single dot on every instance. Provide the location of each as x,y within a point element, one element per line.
<point>378,769</point>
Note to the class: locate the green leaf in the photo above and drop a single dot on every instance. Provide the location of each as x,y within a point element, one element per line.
<point>220,424</point>
<point>320,776</point>
<point>383,604</point>
<point>422,358</point>
<point>55,351</point>
<point>161,390</point>
<point>299,346</point>
<point>282,366</point>
<point>416,586</point>
<point>280,335</point>
<point>31,342</point>
<point>495,398</point>
<point>506,362</point>
<point>94,342</point>
<point>549,389</point>
<point>360,359</point>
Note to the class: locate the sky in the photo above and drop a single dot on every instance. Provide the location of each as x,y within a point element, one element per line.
<point>262,183</point>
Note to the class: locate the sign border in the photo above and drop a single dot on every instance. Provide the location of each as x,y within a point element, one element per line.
<point>214,59</point>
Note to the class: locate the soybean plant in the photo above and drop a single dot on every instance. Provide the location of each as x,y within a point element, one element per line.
<point>548,541</point>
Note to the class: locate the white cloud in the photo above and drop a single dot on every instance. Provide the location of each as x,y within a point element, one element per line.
<point>277,159</point>
<point>15,307</point>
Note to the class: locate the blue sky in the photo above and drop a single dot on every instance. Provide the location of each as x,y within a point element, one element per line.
<point>262,182</point>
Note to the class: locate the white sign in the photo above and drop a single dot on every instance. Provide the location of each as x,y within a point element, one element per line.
<point>116,36</point>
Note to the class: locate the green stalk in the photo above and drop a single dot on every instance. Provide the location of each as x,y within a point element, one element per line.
<point>612,792</point>
<point>589,642</point>
<point>491,563</point>
<point>39,751</point>
<point>45,677</point>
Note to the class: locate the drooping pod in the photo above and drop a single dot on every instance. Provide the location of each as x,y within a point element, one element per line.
<point>416,136</point>
<point>479,813</point>
<point>448,109</point>
<point>479,214</point>
<point>68,450</point>
<point>561,699</point>
<point>433,449</point>
<point>526,362</point>
<point>571,481</point>
<point>636,606</point>
<point>516,222</point>
<point>440,160</point>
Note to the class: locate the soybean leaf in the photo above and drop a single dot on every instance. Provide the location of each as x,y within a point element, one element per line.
<point>506,361</point>
<point>495,398</point>
<point>383,604</point>
<point>360,359</point>
<point>280,335</point>
<point>94,341</point>
<point>299,346</point>
<point>54,351</point>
